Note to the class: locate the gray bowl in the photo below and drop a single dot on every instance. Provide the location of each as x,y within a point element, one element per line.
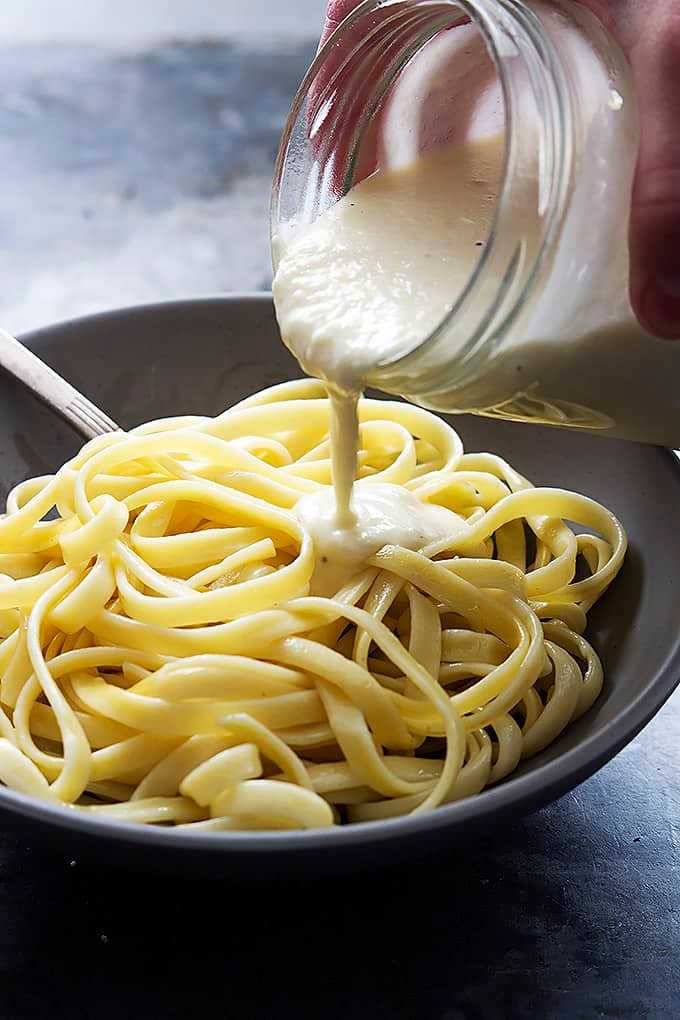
<point>201,356</point>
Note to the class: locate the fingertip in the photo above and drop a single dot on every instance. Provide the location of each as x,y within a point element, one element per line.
<point>659,310</point>
<point>655,270</point>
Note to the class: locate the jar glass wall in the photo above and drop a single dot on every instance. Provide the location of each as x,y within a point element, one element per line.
<point>539,326</point>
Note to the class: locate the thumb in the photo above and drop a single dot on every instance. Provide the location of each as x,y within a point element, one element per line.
<point>655,214</point>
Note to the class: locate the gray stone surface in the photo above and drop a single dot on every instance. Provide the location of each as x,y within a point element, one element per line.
<point>133,22</point>
<point>133,176</point>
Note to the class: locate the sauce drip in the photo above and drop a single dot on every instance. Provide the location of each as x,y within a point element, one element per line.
<point>364,284</point>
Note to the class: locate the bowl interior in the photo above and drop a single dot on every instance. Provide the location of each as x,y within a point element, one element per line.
<point>202,356</point>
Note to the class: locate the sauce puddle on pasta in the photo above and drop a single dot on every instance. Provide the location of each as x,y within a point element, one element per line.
<point>351,521</point>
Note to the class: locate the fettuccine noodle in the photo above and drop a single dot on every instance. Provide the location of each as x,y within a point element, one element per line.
<point>163,658</point>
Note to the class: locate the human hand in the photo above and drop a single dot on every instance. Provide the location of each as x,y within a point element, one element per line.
<point>649,34</point>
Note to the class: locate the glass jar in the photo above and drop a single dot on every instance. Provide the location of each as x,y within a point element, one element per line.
<point>542,329</point>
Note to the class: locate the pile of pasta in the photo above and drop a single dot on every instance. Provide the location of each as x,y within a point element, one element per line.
<point>163,661</point>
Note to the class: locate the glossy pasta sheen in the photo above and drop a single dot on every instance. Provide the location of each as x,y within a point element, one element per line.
<point>162,659</point>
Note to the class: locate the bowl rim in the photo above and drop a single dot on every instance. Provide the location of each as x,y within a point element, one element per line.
<point>530,790</point>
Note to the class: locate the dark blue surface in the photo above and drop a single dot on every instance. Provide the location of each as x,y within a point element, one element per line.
<point>134,176</point>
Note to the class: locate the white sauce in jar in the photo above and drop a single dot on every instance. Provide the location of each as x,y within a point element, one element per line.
<point>372,276</point>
